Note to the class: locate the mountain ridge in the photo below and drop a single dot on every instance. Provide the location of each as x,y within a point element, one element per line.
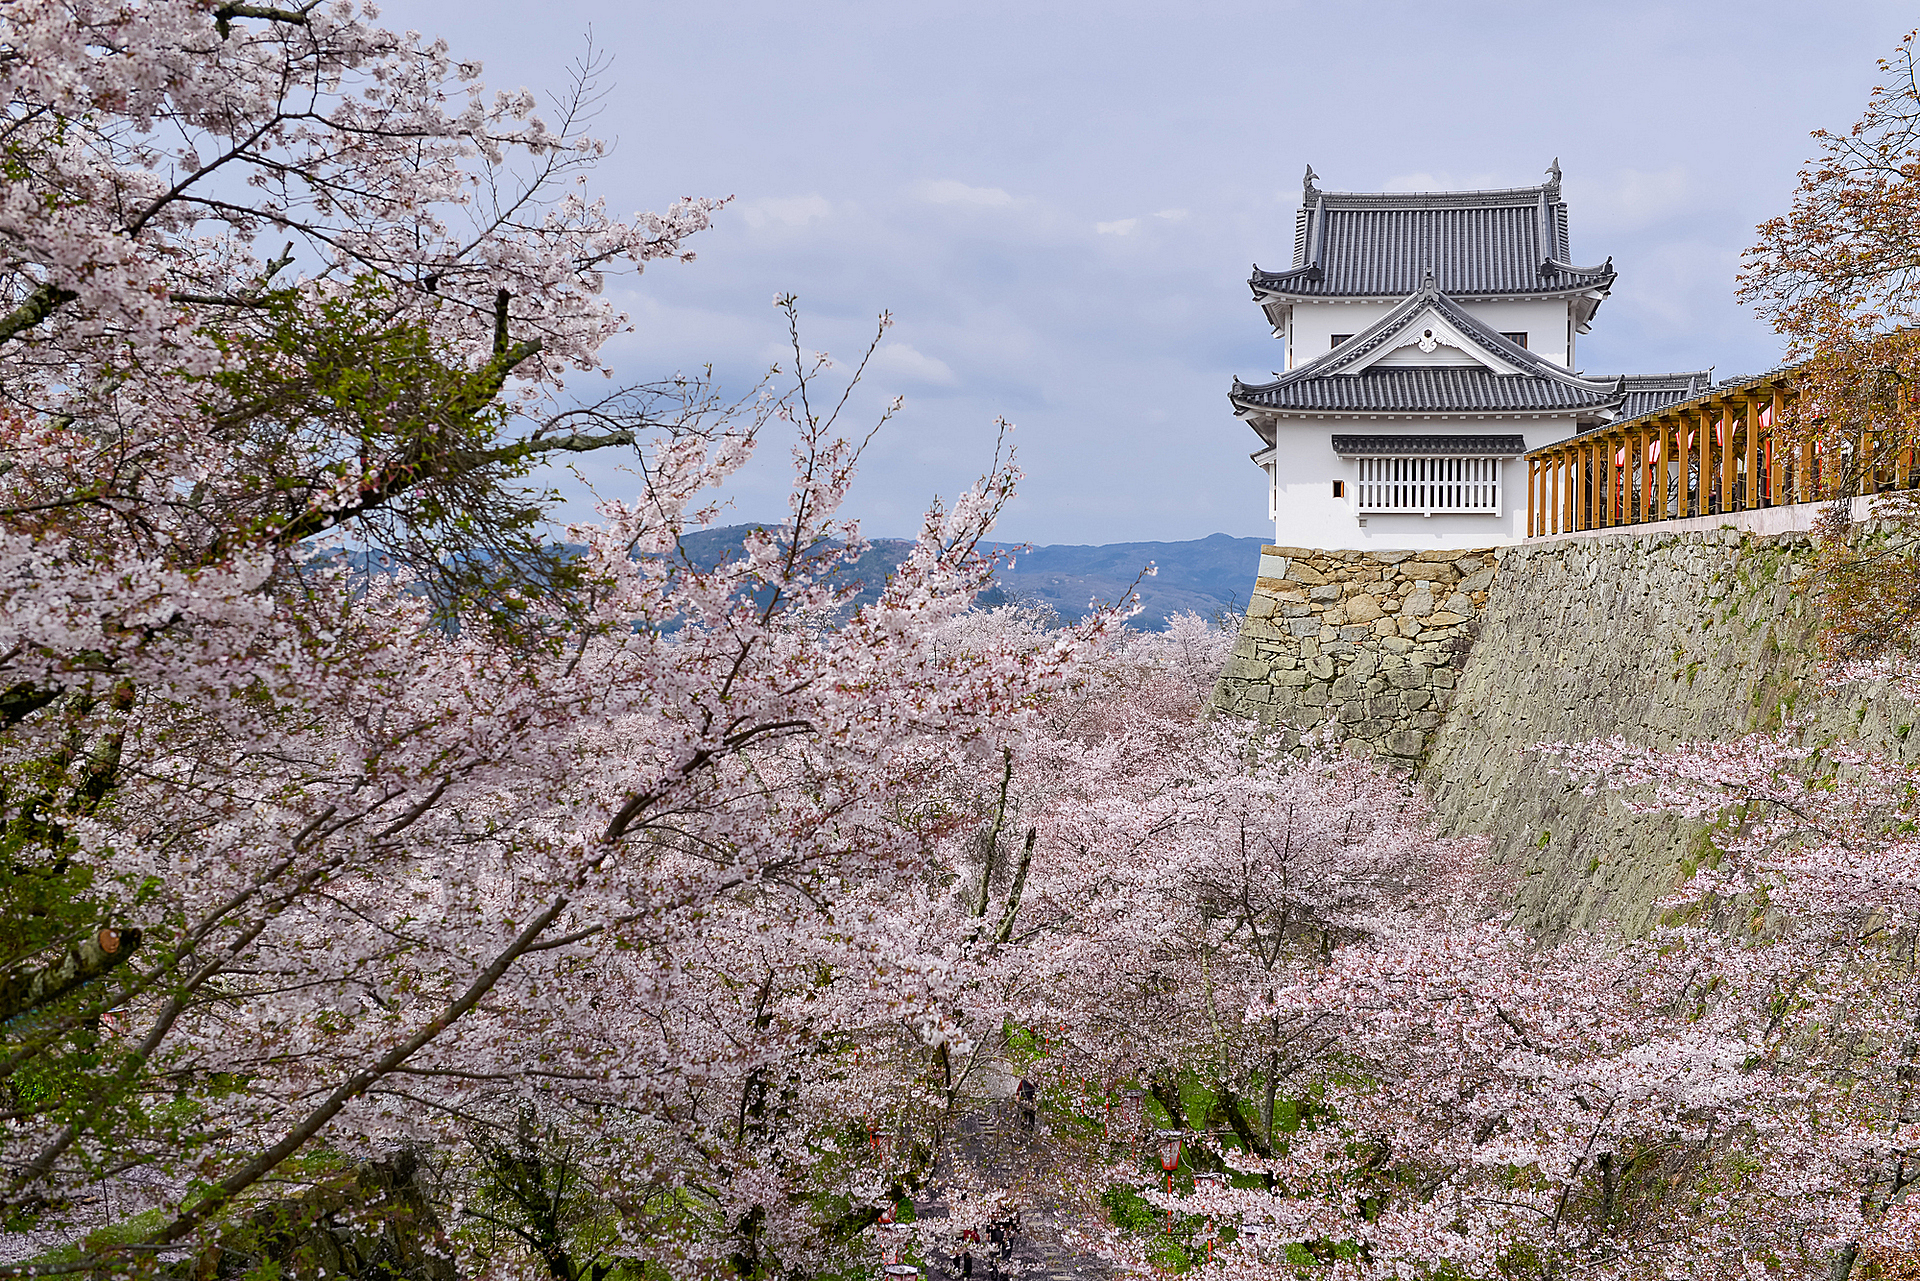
<point>1208,576</point>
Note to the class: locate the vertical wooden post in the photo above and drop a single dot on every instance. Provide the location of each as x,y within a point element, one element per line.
<point>1552,488</point>
<point>1570,457</point>
<point>1529,463</point>
<point>1664,429</point>
<point>1727,456</point>
<point>1750,416</point>
<point>1583,486</point>
<point>1776,466</point>
<point>1809,491</point>
<point>1648,435</point>
<point>1704,463</point>
<point>1603,482</point>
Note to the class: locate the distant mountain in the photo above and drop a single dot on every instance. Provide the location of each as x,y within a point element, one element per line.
<point>1204,575</point>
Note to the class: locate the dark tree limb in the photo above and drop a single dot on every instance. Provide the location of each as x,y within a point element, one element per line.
<point>22,993</point>
<point>40,304</point>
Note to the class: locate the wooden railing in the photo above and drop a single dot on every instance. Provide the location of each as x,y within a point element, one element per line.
<point>1702,457</point>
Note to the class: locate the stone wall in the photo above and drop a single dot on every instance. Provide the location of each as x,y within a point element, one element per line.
<point>1476,657</point>
<point>1362,646</point>
<point>1660,638</point>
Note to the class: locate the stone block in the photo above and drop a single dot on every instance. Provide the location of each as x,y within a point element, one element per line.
<point>1365,663</point>
<point>1415,699</point>
<point>1326,591</point>
<point>1458,603</point>
<point>1301,573</point>
<point>1419,604</point>
<point>1321,667</point>
<point>1442,678</point>
<point>1362,609</point>
<point>1385,627</point>
<point>1303,627</point>
<point>1262,605</point>
<point>1478,582</point>
<point>1409,626</point>
<point>1406,742</point>
<point>1315,696</point>
<point>1428,571</point>
<point>1429,719</point>
<point>1411,676</point>
<point>1353,632</point>
<point>1468,565</point>
<point>1353,712</point>
<point>1441,618</point>
<point>1244,669</point>
<point>1294,679</point>
<point>1395,644</point>
<point>1291,553</point>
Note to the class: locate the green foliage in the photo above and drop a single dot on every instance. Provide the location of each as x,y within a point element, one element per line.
<point>332,391</point>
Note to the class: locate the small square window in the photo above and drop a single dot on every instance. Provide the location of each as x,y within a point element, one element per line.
<point>1340,338</point>
<point>1339,489</point>
<point>1518,340</point>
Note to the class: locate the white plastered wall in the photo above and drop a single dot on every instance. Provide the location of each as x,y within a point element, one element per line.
<point>1306,514</point>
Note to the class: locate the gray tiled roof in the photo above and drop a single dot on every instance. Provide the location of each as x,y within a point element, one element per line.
<point>1482,446</point>
<point>1325,385</point>
<point>1436,389</point>
<point>1477,243</point>
<point>1648,392</point>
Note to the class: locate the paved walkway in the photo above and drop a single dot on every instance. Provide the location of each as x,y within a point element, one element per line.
<point>991,1150</point>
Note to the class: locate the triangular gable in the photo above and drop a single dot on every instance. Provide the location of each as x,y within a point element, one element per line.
<point>1428,337</point>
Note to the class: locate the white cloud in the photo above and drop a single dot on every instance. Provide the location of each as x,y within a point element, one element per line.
<point>1632,198</point>
<point>785,211</point>
<point>902,360</point>
<point>1123,227</point>
<point>948,192</point>
<point>1172,215</point>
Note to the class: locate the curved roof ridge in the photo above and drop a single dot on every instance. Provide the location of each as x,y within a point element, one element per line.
<point>1442,199</point>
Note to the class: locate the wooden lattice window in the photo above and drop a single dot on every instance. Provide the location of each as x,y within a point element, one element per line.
<point>1429,485</point>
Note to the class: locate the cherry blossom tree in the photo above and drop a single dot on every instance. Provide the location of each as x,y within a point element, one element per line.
<point>347,815</point>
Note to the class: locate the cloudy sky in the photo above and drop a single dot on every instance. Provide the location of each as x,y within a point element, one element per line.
<point>1059,202</point>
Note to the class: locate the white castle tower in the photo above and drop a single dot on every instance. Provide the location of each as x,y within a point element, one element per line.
<point>1429,340</point>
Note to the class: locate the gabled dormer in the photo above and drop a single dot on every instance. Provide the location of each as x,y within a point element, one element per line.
<point>1428,355</point>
